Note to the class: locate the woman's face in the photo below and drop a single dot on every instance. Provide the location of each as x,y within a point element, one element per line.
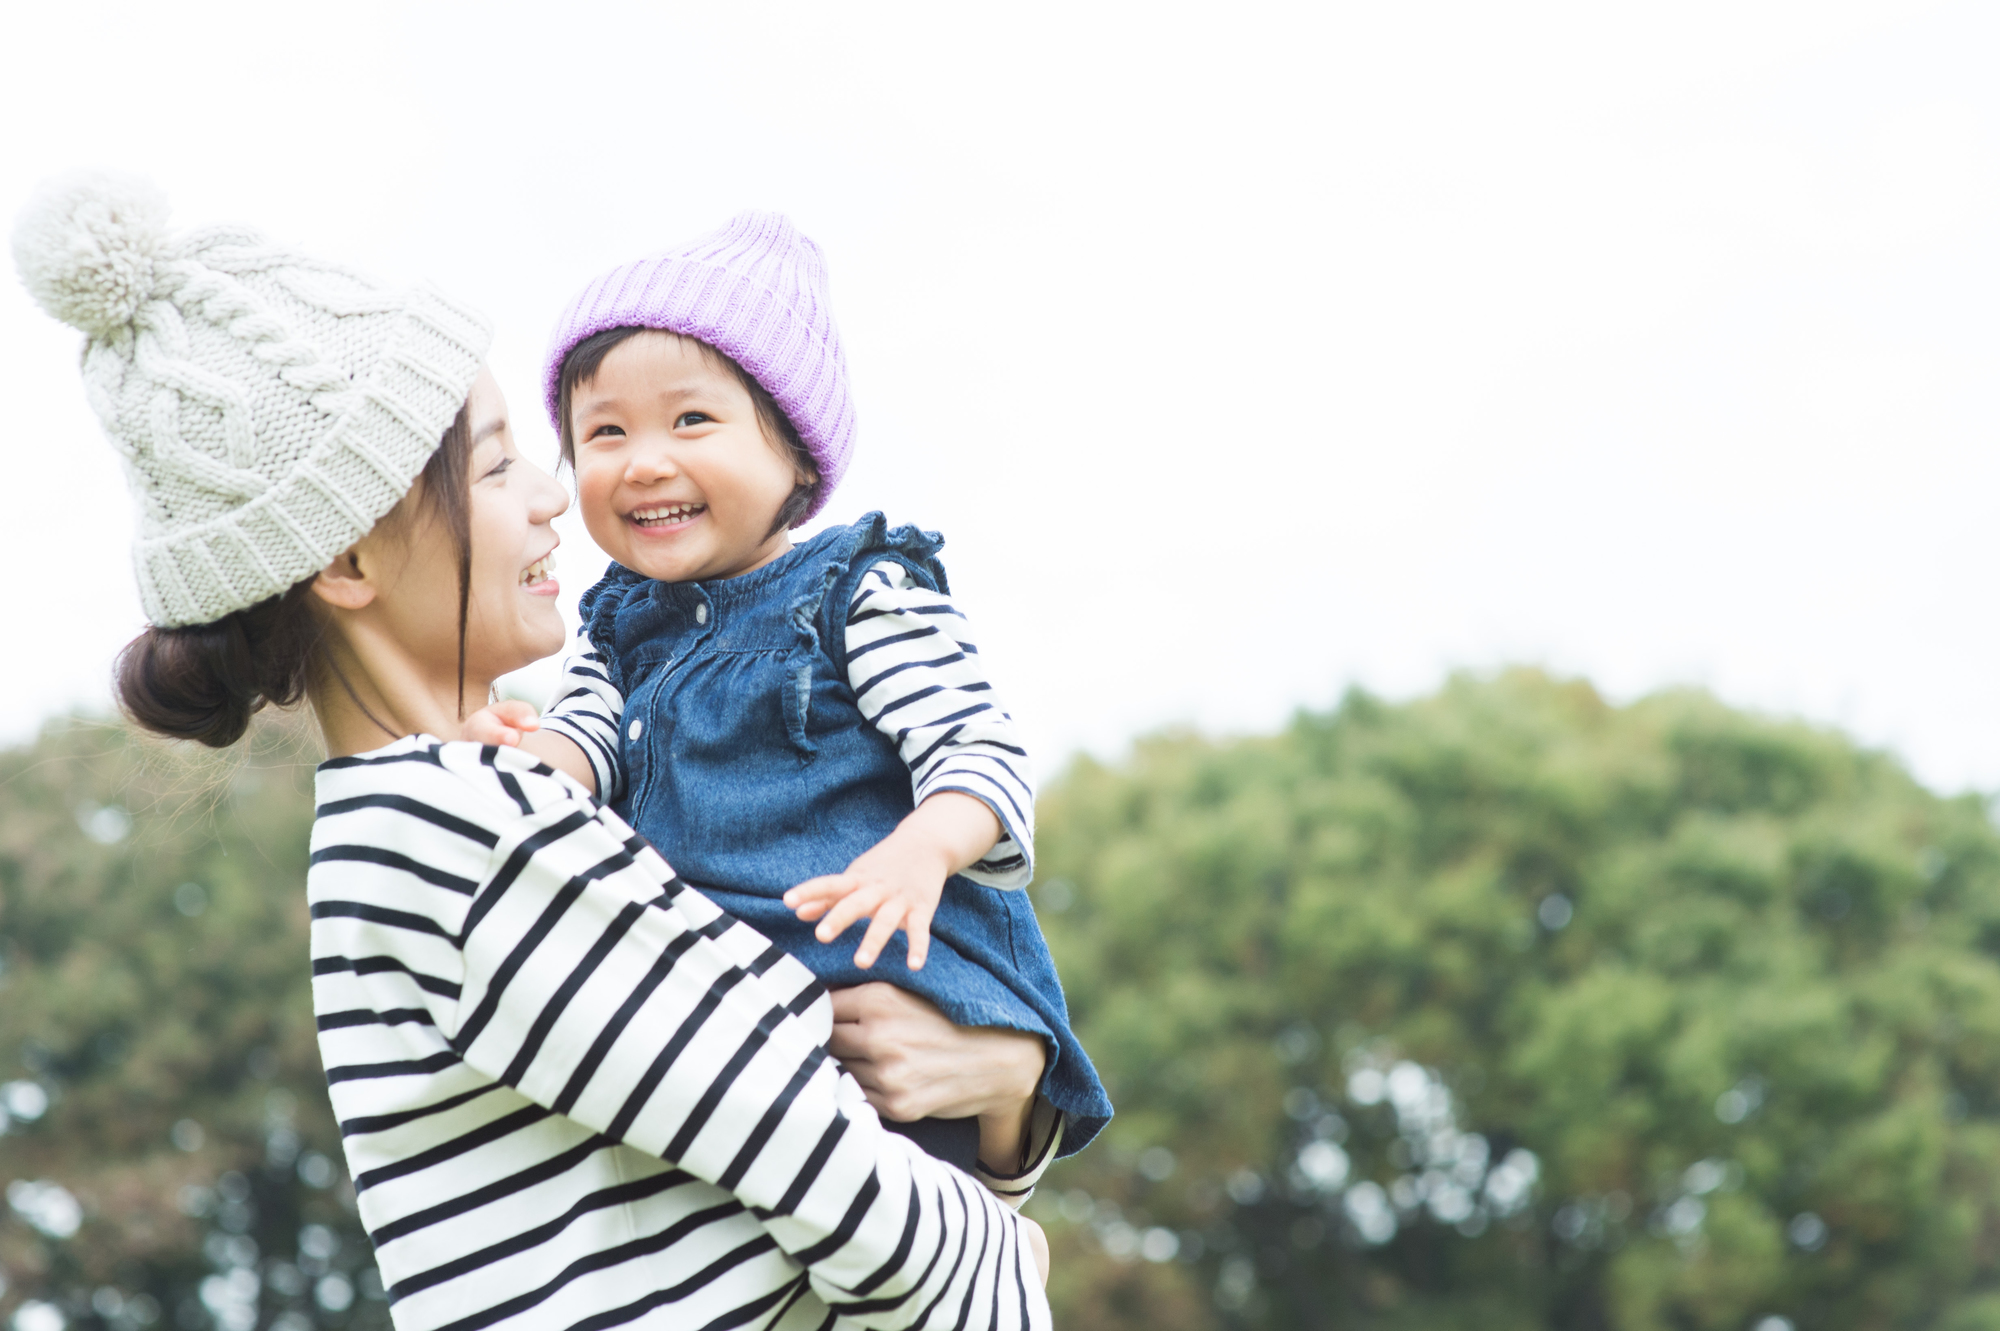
<point>511,617</point>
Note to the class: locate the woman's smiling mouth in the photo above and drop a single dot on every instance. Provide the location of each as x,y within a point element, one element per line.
<point>539,577</point>
<point>666,515</point>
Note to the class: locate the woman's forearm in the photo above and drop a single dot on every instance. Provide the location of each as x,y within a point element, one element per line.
<point>1003,1127</point>
<point>776,1131</point>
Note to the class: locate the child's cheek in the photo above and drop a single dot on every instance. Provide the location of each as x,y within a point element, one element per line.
<point>595,486</point>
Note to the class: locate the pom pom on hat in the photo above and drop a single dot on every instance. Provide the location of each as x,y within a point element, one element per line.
<point>86,247</point>
<point>266,422</point>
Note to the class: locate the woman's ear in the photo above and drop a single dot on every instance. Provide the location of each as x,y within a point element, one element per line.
<point>342,583</point>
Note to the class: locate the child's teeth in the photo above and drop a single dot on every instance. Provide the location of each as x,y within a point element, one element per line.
<point>667,513</point>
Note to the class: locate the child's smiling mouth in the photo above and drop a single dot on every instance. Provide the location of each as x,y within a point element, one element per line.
<point>666,515</point>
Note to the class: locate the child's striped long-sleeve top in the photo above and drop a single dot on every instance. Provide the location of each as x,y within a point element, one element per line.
<point>917,677</point>
<point>573,1092</point>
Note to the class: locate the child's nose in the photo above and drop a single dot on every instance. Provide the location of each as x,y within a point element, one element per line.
<point>645,465</point>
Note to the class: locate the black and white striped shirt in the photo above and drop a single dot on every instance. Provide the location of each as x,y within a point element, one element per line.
<point>574,1093</point>
<point>916,676</point>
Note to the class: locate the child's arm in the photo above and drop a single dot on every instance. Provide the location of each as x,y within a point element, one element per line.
<point>916,676</point>
<point>515,724</point>
<point>578,736</point>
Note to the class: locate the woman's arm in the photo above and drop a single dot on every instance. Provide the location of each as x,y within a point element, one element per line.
<point>603,990</point>
<point>914,1063</point>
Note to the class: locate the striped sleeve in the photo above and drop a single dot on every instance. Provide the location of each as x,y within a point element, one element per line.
<point>595,984</point>
<point>1038,1152</point>
<point>586,712</point>
<point>917,677</point>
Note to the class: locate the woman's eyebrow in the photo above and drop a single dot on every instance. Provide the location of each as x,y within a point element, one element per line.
<point>486,431</point>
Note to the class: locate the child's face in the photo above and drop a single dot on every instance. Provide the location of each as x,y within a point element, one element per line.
<point>676,477</point>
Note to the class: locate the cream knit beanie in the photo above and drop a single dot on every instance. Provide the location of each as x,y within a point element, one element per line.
<point>269,407</point>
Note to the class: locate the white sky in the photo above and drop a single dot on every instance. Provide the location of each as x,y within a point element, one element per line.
<point>1241,351</point>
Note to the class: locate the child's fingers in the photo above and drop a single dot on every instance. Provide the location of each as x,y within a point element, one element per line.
<point>811,898</point>
<point>888,918</point>
<point>918,925</point>
<point>856,905</point>
<point>502,723</point>
<point>518,714</point>
<point>488,730</point>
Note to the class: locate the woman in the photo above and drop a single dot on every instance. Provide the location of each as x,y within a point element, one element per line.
<point>572,1091</point>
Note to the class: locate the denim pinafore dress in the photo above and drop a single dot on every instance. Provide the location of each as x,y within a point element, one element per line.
<point>751,769</point>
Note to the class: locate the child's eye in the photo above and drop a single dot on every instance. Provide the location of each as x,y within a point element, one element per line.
<point>601,431</point>
<point>688,418</point>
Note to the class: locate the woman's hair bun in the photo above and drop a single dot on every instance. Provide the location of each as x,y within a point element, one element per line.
<point>204,682</point>
<point>87,247</point>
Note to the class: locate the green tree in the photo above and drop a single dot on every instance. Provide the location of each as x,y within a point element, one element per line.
<point>1510,1008</point>
<point>169,1154</point>
<point>1505,1007</point>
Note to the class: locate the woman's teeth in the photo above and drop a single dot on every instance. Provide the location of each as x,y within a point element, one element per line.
<point>666,514</point>
<point>539,570</point>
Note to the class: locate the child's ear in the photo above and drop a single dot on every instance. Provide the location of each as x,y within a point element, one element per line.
<point>342,583</point>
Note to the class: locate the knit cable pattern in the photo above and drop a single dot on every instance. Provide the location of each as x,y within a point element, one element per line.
<point>269,407</point>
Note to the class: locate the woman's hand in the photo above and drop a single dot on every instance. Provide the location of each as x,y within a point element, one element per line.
<point>913,1063</point>
<point>1038,1247</point>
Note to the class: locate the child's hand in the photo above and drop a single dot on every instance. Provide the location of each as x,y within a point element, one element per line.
<point>502,723</point>
<point>894,886</point>
<point>516,725</point>
<point>898,883</point>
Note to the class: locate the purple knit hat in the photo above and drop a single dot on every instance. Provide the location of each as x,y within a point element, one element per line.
<point>754,290</point>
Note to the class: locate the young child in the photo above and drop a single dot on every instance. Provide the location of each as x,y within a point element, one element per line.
<point>805,732</point>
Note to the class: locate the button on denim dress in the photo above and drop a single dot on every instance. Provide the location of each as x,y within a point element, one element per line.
<point>751,768</point>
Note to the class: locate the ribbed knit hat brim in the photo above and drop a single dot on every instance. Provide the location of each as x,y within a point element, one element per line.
<point>270,408</point>
<point>366,461</point>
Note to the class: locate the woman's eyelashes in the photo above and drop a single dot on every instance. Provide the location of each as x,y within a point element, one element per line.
<point>499,467</point>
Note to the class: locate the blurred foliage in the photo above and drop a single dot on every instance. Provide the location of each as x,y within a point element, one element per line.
<point>1505,1007</point>
<point>169,1153</point>
<point>1512,1008</point>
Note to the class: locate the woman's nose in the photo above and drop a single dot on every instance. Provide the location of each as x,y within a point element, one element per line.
<point>551,499</point>
<point>547,500</point>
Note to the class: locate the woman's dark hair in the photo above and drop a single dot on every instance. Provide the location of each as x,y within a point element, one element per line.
<point>580,366</point>
<point>206,681</point>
